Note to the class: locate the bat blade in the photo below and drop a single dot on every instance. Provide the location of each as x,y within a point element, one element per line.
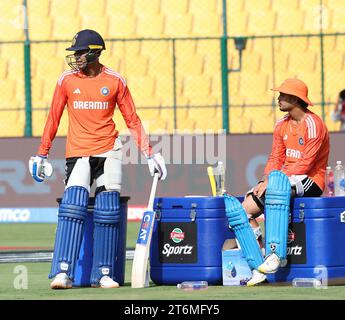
<point>140,275</point>
<point>141,253</point>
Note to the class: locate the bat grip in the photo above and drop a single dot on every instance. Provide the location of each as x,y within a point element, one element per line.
<point>153,191</point>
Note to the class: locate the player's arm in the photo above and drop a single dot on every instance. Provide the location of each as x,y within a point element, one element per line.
<point>39,166</point>
<point>126,105</point>
<point>58,104</point>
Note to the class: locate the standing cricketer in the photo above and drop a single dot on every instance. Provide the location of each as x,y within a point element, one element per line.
<point>91,92</point>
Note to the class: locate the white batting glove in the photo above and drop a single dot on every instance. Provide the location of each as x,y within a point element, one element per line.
<point>156,163</point>
<point>40,168</point>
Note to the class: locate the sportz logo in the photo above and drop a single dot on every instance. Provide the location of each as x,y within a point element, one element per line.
<point>297,250</point>
<point>177,250</point>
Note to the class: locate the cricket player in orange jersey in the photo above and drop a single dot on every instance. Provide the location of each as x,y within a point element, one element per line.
<point>91,92</point>
<point>295,168</point>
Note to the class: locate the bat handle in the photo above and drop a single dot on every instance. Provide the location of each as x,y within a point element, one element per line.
<point>153,191</point>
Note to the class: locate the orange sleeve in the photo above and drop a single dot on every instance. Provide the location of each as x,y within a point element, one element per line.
<point>53,120</point>
<point>276,158</point>
<point>310,153</point>
<point>133,122</point>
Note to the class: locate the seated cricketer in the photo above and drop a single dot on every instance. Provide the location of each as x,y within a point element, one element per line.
<point>295,168</point>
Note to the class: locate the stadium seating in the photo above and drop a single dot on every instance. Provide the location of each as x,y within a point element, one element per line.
<point>239,120</point>
<point>143,90</point>
<point>122,26</point>
<point>178,24</point>
<point>148,63</point>
<point>8,87</point>
<point>288,21</point>
<point>148,8</point>
<point>150,24</point>
<point>62,31</point>
<point>262,119</point>
<point>12,123</point>
<point>12,21</point>
<point>3,69</point>
<point>173,7</point>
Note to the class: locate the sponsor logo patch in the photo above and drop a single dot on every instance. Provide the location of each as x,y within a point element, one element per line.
<point>145,227</point>
<point>296,244</point>
<point>177,242</point>
<point>291,236</point>
<point>177,235</point>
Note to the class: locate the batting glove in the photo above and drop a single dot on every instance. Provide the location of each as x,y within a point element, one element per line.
<point>156,163</point>
<point>40,168</point>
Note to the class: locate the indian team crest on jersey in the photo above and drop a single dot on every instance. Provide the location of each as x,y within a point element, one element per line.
<point>105,91</point>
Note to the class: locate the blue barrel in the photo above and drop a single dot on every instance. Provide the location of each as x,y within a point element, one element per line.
<point>187,240</point>
<point>315,241</point>
<point>84,263</point>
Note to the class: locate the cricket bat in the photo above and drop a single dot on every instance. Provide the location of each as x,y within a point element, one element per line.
<point>140,274</point>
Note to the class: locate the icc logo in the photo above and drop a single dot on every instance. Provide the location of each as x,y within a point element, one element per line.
<point>105,91</point>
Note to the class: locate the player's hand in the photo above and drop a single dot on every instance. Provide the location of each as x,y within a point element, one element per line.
<point>40,168</point>
<point>260,189</point>
<point>156,163</point>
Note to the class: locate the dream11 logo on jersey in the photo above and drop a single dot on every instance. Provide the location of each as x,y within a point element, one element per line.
<point>177,242</point>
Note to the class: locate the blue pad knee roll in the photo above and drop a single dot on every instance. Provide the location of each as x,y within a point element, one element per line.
<point>71,217</point>
<point>277,209</point>
<point>238,221</point>
<point>106,236</point>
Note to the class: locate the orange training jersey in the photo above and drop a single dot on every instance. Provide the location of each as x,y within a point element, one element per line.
<point>91,102</point>
<point>300,149</point>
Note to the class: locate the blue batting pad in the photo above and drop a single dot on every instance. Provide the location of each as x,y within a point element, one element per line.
<point>71,217</point>
<point>106,236</point>
<point>238,221</point>
<point>277,208</point>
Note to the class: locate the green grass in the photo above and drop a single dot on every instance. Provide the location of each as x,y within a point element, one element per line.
<point>38,288</point>
<point>43,234</point>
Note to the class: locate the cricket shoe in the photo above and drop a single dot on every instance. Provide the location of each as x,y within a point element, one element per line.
<point>257,278</point>
<point>61,281</point>
<point>271,264</point>
<point>106,282</point>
